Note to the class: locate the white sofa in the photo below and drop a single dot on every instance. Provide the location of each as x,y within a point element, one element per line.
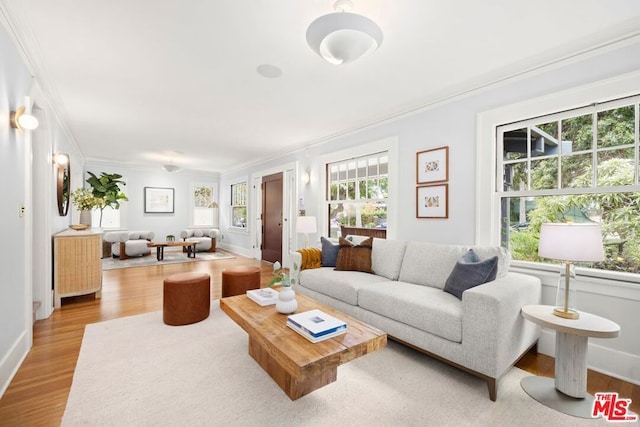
<point>206,238</point>
<point>126,244</point>
<point>483,333</point>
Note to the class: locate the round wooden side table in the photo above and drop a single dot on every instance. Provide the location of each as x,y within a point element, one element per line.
<point>567,392</point>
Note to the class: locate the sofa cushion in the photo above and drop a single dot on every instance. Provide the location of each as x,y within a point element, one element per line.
<point>355,239</point>
<point>341,285</point>
<point>503,254</point>
<point>469,272</point>
<point>329,252</point>
<point>198,233</point>
<point>429,264</point>
<point>422,307</point>
<point>386,257</point>
<point>354,257</point>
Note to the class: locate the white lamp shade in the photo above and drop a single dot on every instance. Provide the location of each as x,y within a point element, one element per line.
<point>571,242</point>
<point>343,37</point>
<point>306,224</point>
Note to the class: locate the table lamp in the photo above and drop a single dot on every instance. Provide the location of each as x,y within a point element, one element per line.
<point>569,243</point>
<point>306,225</point>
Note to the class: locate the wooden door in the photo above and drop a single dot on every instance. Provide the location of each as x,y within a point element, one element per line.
<point>272,218</point>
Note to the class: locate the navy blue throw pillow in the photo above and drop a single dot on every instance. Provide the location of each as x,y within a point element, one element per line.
<point>329,252</point>
<point>469,272</point>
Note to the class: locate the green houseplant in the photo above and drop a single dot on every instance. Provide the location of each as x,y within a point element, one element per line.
<point>282,275</point>
<point>106,189</point>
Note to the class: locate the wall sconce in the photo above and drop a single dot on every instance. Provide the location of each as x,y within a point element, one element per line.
<point>20,120</point>
<point>306,178</point>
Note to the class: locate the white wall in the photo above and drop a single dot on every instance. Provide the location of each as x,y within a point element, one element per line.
<point>134,217</point>
<point>15,334</point>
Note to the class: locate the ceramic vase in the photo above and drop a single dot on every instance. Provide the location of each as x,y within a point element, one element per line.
<point>287,302</point>
<point>85,217</point>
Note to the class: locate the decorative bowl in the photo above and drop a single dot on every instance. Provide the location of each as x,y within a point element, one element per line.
<point>78,226</point>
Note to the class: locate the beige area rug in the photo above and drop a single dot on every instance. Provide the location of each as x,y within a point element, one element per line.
<point>170,257</point>
<point>136,371</point>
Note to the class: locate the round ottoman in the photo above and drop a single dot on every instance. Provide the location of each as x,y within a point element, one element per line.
<point>238,280</point>
<point>186,298</point>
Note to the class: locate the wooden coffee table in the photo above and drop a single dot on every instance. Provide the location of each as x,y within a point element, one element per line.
<point>191,248</point>
<point>295,364</point>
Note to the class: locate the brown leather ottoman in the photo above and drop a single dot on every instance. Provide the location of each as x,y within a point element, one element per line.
<point>239,279</point>
<point>186,298</point>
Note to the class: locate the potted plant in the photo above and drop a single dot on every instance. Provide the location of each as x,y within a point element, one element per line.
<point>106,189</point>
<point>84,201</point>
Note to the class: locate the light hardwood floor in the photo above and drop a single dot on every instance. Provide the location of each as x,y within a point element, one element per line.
<point>38,393</point>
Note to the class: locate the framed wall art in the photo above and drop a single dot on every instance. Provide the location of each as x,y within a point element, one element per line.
<point>158,200</point>
<point>432,201</point>
<point>432,165</point>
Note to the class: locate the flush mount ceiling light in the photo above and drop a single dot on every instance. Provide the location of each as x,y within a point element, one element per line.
<point>171,167</point>
<point>343,37</point>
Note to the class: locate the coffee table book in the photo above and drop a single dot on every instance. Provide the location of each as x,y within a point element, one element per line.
<point>264,296</point>
<point>316,339</point>
<point>316,323</point>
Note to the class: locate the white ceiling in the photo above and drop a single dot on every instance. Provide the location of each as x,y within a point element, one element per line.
<point>134,80</point>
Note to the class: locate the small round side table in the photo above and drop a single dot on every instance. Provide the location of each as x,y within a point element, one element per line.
<point>567,393</point>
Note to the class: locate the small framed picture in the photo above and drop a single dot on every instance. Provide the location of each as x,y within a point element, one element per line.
<point>158,200</point>
<point>432,201</point>
<point>432,165</point>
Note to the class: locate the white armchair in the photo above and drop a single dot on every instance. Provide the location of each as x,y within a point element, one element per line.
<point>126,244</point>
<point>206,238</point>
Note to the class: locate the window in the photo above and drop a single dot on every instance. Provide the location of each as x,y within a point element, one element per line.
<point>573,166</point>
<point>357,192</point>
<point>239,205</point>
<point>110,217</point>
<point>204,208</point>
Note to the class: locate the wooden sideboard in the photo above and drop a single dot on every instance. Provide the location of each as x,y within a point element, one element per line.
<point>77,264</point>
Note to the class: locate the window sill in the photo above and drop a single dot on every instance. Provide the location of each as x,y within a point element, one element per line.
<point>238,230</point>
<point>622,285</point>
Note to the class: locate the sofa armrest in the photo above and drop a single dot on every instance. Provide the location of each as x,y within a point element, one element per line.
<point>116,236</point>
<point>493,331</point>
<point>147,235</point>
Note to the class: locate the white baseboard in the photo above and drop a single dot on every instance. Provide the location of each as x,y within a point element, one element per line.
<point>12,361</point>
<point>617,364</point>
<point>236,249</point>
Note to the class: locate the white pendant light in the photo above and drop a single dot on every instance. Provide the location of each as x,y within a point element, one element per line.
<point>342,37</point>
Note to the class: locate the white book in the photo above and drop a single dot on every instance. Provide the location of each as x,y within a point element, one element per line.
<point>264,296</point>
<point>317,323</point>
<point>316,339</point>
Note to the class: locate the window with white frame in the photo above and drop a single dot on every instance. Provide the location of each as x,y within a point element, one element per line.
<point>111,218</point>
<point>239,205</point>
<point>203,205</point>
<point>357,192</point>
<point>573,166</point>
